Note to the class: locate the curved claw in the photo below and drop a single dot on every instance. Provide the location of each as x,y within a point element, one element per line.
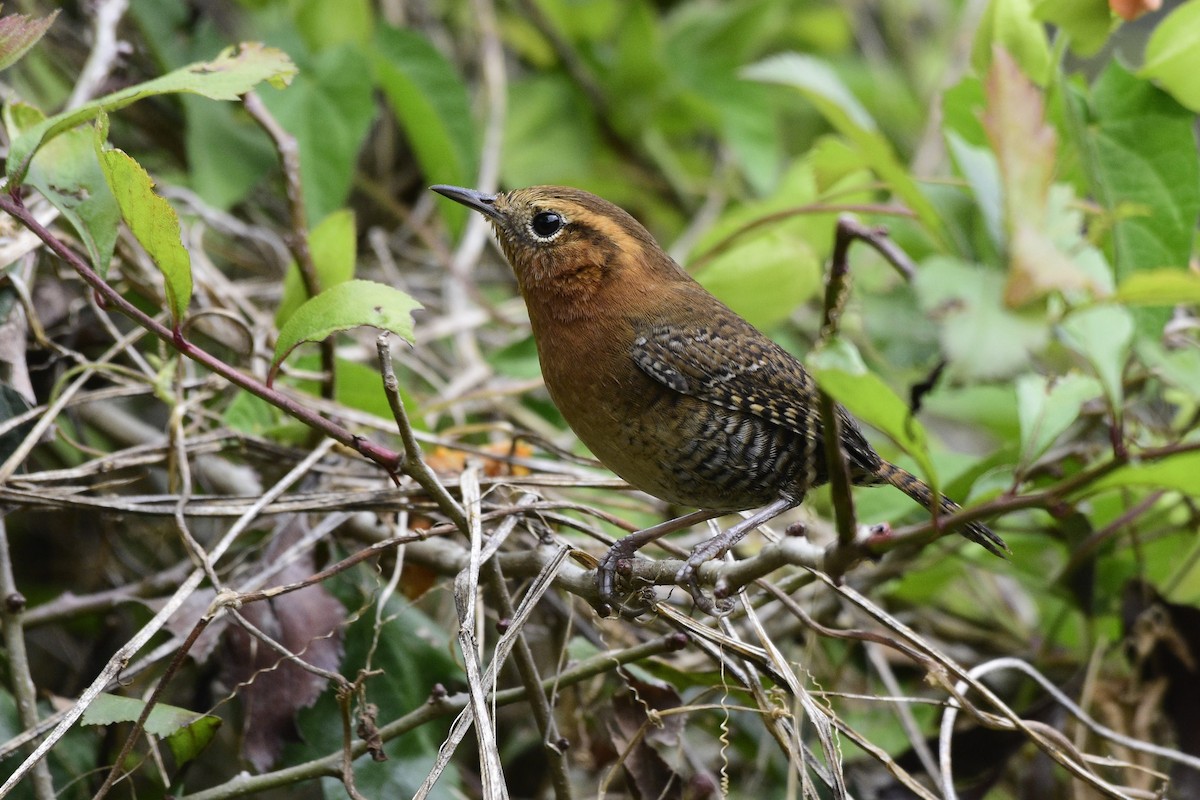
<point>689,575</point>
<point>606,572</point>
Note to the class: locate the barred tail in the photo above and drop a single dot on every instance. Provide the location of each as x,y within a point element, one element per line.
<point>918,490</point>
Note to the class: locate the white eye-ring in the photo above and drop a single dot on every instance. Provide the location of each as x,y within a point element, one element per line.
<point>546,225</point>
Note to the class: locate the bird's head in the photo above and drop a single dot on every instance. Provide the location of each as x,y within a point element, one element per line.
<point>566,240</point>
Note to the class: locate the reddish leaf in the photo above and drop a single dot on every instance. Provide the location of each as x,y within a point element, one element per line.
<point>308,623</point>
<point>1130,10</point>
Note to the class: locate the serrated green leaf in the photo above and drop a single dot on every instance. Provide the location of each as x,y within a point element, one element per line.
<point>838,369</point>
<point>818,83</point>
<point>348,305</point>
<point>186,732</point>
<point>431,103</point>
<point>1139,149</point>
<point>1047,407</point>
<point>67,173</point>
<point>1173,54</point>
<point>235,71</point>
<point>152,221</point>
<point>18,33</point>
<point>332,244</point>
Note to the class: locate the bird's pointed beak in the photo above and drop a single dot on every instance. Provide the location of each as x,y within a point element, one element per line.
<point>483,203</point>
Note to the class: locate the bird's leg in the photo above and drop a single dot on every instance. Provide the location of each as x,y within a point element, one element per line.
<point>628,546</point>
<point>689,574</point>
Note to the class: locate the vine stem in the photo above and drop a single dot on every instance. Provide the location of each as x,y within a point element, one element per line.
<point>384,457</point>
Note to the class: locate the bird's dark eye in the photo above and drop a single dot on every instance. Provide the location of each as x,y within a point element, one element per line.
<point>546,223</point>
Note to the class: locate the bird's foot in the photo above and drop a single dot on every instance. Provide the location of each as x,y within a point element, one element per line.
<point>617,560</point>
<point>689,576</point>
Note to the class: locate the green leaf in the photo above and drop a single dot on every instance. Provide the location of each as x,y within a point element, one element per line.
<point>329,110</point>
<point>764,278</point>
<point>228,154</point>
<point>1086,22</point>
<point>1139,150</point>
<point>1159,287</point>
<point>332,244</point>
<point>231,74</point>
<point>1173,54</point>
<point>186,732</point>
<point>1103,335</point>
<point>978,166</point>
<point>550,136</point>
<point>324,24</point>
<point>979,335</point>
<point>151,220</point>
<point>67,173</point>
<point>431,104</point>
<point>1180,368</point>
<point>1009,25</point>
<point>1179,472</point>
<point>18,33</point>
<point>339,308</point>
<point>1047,407</point>
<point>821,86</point>
<point>839,370</point>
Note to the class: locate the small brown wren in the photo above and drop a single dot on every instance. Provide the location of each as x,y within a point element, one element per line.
<point>663,382</point>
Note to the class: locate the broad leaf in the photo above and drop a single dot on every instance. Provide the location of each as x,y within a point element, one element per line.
<point>1159,287</point>
<point>67,173</point>
<point>1047,407</point>
<point>839,370</point>
<point>822,87</point>
<point>764,278</point>
<point>1173,54</point>
<point>1103,336</point>
<point>1179,472</point>
<point>1026,149</point>
<point>348,305</point>
<point>332,245</point>
<point>1009,26</point>
<point>151,220</point>
<point>431,103</point>
<point>18,33</point>
<point>1086,22</point>
<point>329,109</point>
<point>1139,151</point>
<point>231,74</point>
<point>186,732</point>
<point>980,336</point>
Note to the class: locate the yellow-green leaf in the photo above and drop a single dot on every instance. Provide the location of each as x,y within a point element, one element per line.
<point>151,220</point>
<point>1159,287</point>
<point>839,370</point>
<point>186,732</point>
<point>348,305</point>
<point>1179,472</point>
<point>235,71</point>
<point>332,245</point>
